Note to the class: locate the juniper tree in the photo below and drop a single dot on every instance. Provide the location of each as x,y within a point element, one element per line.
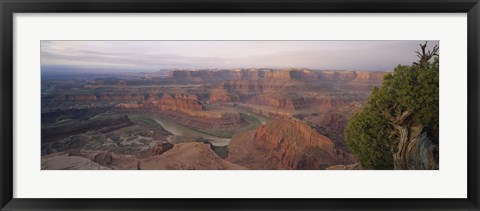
<point>398,127</point>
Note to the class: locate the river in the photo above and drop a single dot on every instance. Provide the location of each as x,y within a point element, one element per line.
<point>180,130</point>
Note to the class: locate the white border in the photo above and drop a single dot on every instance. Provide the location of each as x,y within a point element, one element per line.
<point>448,182</point>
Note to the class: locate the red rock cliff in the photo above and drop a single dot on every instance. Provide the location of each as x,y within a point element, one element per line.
<point>181,102</point>
<point>286,143</point>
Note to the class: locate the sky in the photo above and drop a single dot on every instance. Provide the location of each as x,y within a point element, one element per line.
<point>151,56</point>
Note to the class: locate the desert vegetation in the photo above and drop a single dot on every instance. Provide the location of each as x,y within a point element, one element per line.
<point>399,126</point>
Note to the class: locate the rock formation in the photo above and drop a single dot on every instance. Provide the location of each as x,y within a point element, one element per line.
<point>188,156</point>
<point>277,74</point>
<point>220,95</point>
<point>181,102</point>
<point>168,102</point>
<point>63,161</point>
<point>286,143</point>
<point>65,128</point>
<point>218,121</point>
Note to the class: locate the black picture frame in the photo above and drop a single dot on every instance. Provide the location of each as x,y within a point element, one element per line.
<point>9,7</point>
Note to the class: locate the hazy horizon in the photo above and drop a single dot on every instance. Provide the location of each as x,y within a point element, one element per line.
<point>152,56</point>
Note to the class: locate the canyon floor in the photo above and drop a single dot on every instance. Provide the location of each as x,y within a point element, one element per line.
<point>215,119</point>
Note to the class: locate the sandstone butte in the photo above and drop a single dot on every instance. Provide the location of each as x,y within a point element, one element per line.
<point>286,143</point>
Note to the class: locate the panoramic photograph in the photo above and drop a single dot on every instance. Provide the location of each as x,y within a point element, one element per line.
<point>239,105</point>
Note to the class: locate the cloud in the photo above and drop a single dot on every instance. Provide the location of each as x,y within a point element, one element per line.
<point>155,55</point>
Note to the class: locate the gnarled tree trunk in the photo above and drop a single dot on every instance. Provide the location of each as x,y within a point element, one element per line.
<point>415,149</point>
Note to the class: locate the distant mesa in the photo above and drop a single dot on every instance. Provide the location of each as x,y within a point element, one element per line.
<point>277,74</point>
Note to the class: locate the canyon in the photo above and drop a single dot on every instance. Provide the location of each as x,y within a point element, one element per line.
<point>256,118</point>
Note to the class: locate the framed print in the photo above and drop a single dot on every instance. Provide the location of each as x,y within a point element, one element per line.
<point>254,105</point>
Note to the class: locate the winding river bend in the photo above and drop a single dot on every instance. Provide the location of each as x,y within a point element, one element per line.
<point>180,130</point>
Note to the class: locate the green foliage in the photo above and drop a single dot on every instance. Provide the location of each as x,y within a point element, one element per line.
<point>411,92</point>
<point>367,135</point>
<point>411,88</point>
